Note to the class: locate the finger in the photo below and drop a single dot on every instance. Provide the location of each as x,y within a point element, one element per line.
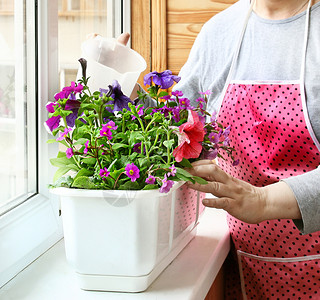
<point>202,162</point>
<point>211,172</point>
<point>221,203</point>
<point>214,188</point>
<point>123,38</point>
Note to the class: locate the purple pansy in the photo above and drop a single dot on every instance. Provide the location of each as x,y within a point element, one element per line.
<point>132,171</point>
<point>150,180</point>
<point>209,154</point>
<point>104,173</point>
<point>166,185</point>
<point>164,79</point>
<point>69,153</point>
<point>120,101</point>
<point>137,148</point>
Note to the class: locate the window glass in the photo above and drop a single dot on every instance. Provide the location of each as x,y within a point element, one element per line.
<point>17,180</point>
<point>77,20</point>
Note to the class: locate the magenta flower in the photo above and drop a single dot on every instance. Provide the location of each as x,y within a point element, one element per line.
<point>166,185</point>
<point>106,129</point>
<point>137,147</point>
<point>184,103</point>
<point>177,93</point>
<point>132,171</point>
<point>140,112</point>
<point>164,79</point>
<point>66,91</point>
<point>201,102</point>
<point>104,173</point>
<point>69,153</point>
<point>86,145</point>
<point>64,134</point>
<point>215,137</point>
<point>166,97</point>
<point>150,180</point>
<point>173,171</point>
<point>236,162</point>
<point>54,121</point>
<point>207,92</point>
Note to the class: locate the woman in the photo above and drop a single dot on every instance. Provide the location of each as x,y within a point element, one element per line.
<point>261,60</point>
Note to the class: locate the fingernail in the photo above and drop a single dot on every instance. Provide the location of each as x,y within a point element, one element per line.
<point>205,201</point>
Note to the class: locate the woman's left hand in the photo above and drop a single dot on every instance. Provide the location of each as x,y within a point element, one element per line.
<point>242,200</point>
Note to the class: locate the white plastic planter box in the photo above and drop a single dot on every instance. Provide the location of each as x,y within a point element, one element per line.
<point>122,240</point>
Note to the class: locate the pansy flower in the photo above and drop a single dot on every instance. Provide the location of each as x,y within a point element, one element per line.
<point>120,100</point>
<point>164,79</point>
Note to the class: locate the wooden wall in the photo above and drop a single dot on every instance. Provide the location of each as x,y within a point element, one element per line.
<point>163,31</point>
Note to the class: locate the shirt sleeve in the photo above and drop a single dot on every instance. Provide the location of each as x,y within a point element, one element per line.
<point>306,189</point>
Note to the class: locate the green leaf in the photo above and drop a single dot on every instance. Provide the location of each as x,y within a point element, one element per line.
<point>169,143</point>
<point>151,187</point>
<point>183,172</point>
<point>199,180</point>
<point>185,163</point>
<point>60,162</point>
<point>119,145</point>
<point>89,160</point>
<point>129,185</point>
<point>80,141</point>
<point>64,181</point>
<point>184,178</point>
<point>60,172</point>
<point>83,172</point>
<point>50,141</point>
<point>83,182</point>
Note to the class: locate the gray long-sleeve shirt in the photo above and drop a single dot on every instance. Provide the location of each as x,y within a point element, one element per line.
<point>271,50</point>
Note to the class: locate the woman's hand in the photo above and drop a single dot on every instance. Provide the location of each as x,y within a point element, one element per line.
<point>242,200</point>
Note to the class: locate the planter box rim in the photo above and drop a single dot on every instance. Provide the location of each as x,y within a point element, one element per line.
<point>105,193</point>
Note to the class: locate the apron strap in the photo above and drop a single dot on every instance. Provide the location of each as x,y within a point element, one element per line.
<point>238,47</point>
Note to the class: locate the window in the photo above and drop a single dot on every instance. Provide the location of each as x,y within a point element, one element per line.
<point>39,50</point>
<point>17,126</point>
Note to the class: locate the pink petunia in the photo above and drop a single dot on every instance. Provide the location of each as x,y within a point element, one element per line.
<point>191,134</point>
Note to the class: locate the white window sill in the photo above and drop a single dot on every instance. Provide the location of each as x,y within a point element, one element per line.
<point>189,276</point>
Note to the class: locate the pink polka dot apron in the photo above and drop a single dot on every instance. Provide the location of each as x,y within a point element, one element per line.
<point>272,135</point>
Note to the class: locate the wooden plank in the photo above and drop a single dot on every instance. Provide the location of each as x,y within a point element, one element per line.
<point>182,36</point>
<point>195,11</point>
<point>141,31</point>
<point>176,59</point>
<point>159,35</point>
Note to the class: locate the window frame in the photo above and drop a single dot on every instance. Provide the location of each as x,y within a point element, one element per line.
<point>31,228</point>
